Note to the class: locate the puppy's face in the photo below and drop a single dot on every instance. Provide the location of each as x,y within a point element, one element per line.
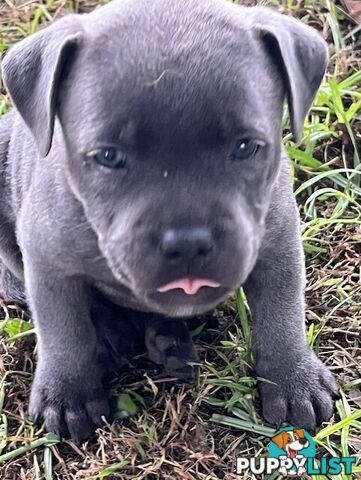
<point>172,146</point>
<point>170,117</point>
<point>291,441</point>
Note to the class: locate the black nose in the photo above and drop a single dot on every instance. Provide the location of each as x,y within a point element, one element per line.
<point>186,244</point>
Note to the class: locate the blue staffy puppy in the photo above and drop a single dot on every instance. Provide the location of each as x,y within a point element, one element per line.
<point>143,160</point>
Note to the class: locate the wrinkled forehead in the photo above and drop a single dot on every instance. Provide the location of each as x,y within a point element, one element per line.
<point>178,82</point>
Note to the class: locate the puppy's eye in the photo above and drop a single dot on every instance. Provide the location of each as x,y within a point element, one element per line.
<point>245,148</point>
<point>109,157</point>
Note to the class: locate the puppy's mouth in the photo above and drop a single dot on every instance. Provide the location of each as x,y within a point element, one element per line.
<point>292,453</point>
<point>190,286</point>
<point>188,296</point>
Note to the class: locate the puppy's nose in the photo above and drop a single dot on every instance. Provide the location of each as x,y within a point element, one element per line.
<point>186,244</point>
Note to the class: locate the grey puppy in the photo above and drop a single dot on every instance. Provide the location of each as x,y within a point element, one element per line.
<point>143,160</point>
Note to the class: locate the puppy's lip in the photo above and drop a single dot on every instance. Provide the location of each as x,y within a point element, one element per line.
<point>190,286</point>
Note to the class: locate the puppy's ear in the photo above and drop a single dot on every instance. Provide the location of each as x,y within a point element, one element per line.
<point>32,72</point>
<point>280,440</point>
<point>302,56</point>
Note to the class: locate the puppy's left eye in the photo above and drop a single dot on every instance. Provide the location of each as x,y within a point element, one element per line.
<point>245,148</point>
<point>109,157</point>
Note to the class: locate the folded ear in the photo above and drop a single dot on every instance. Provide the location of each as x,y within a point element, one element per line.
<point>302,56</point>
<point>280,440</point>
<point>32,72</point>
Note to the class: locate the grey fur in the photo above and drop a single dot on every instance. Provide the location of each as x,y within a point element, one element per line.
<point>175,85</point>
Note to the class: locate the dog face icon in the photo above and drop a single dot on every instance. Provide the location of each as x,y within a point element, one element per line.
<point>291,441</point>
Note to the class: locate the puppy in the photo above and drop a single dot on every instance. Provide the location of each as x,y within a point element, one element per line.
<point>143,160</point>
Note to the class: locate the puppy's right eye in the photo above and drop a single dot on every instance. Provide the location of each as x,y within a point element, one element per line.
<point>109,157</point>
<point>245,148</point>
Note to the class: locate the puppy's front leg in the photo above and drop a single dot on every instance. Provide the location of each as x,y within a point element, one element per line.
<point>67,392</point>
<point>302,388</point>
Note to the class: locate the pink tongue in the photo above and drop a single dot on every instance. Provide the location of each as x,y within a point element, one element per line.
<point>190,286</point>
<point>293,453</point>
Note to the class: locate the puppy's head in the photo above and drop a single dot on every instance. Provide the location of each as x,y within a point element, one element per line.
<point>170,117</point>
<point>291,441</point>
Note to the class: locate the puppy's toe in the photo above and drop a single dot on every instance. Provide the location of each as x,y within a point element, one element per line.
<point>54,421</point>
<point>323,407</point>
<point>328,382</point>
<point>97,409</point>
<point>301,413</point>
<point>79,425</point>
<point>274,406</point>
<point>36,406</point>
<point>179,368</point>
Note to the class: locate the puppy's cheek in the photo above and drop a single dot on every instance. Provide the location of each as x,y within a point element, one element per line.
<point>248,249</point>
<point>121,269</point>
<point>254,246</point>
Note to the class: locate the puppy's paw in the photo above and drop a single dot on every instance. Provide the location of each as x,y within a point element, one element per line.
<point>170,344</point>
<point>299,394</point>
<point>68,406</point>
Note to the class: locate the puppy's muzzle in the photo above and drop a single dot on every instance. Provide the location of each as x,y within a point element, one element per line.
<point>184,245</point>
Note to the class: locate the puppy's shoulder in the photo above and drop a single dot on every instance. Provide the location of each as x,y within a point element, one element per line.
<point>282,219</point>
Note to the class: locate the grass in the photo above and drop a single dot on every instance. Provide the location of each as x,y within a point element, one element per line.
<point>169,431</point>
